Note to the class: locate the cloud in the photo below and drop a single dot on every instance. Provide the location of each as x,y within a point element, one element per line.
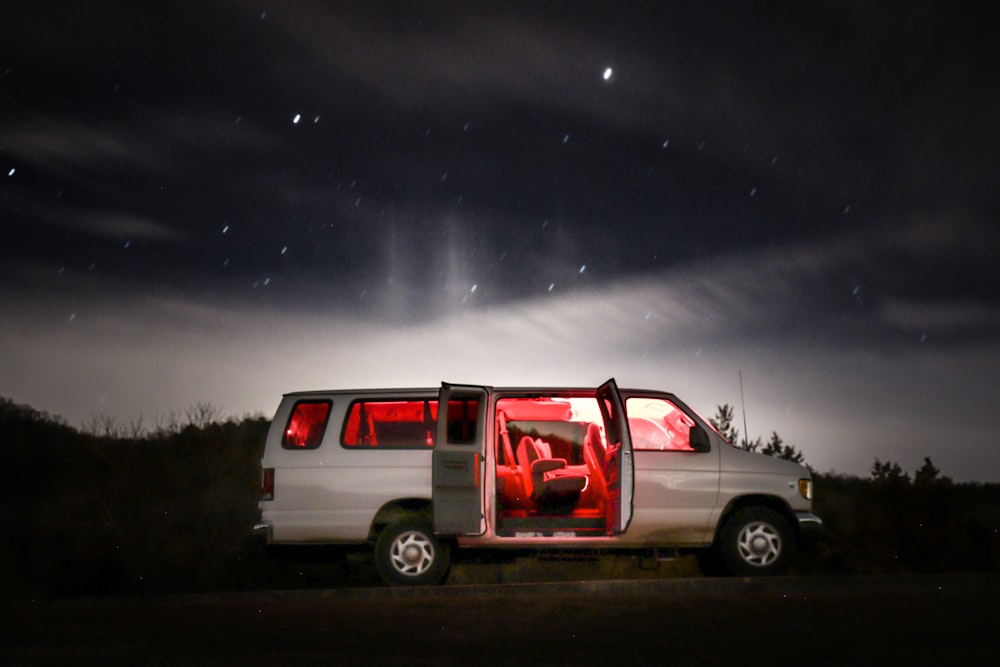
<point>115,224</point>
<point>136,138</point>
<point>692,330</point>
<point>743,89</point>
<point>938,317</point>
<point>119,226</point>
<point>63,145</point>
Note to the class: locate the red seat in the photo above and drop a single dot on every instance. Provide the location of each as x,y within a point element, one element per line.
<point>545,479</point>
<point>593,454</point>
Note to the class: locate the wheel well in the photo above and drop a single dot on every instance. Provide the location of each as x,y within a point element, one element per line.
<point>771,502</point>
<point>394,510</point>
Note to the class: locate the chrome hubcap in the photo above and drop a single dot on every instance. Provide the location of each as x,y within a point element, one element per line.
<point>759,544</point>
<point>412,553</point>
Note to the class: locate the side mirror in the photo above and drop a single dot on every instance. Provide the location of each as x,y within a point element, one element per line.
<point>699,439</point>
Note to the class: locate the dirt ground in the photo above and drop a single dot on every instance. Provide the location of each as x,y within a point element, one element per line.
<point>685,621</point>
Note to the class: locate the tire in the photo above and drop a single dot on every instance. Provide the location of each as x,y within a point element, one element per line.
<point>755,542</point>
<point>408,554</point>
<point>710,562</point>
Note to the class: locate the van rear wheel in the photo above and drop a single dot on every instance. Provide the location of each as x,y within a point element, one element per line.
<point>407,553</point>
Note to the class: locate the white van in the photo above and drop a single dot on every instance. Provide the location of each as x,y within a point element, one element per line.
<point>516,468</point>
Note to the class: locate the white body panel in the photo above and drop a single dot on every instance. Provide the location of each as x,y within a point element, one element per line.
<point>336,502</point>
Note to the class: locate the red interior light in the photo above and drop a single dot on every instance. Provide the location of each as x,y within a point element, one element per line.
<point>306,426</point>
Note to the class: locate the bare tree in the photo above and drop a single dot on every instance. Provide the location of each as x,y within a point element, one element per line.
<point>166,424</point>
<point>202,413</point>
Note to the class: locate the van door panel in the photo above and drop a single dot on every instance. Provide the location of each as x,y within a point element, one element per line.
<point>676,493</point>
<point>677,486</point>
<point>457,467</point>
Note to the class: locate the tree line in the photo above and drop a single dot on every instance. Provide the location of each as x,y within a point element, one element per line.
<point>168,506</point>
<point>117,508</point>
<point>775,446</point>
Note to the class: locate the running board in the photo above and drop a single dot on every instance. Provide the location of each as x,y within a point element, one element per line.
<point>555,526</point>
<point>651,559</point>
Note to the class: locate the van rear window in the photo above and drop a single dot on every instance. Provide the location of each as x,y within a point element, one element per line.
<point>404,424</point>
<point>307,425</point>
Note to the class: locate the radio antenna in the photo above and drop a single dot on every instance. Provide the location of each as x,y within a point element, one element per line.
<point>743,405</point>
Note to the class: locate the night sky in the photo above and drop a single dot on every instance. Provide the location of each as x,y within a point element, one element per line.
<point>224,201</point>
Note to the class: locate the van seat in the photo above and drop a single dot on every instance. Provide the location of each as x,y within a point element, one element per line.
<point>593,454</point>
<point>545,479</point>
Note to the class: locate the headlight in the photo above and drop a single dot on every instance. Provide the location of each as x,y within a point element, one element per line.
<point>806,488</point>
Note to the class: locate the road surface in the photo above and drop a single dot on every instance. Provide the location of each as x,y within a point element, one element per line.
<point>933,620</point>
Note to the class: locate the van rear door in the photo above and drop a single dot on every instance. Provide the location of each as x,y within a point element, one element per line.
<point>621,485</point>
<point>458,467</point>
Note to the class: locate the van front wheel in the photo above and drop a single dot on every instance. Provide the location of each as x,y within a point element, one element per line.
<point>757,541</point>
<point>407,553</point>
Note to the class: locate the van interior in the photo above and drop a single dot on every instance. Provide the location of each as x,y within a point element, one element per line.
<point>556,473</point>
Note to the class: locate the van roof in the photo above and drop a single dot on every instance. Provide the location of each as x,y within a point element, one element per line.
<point>422,391</point>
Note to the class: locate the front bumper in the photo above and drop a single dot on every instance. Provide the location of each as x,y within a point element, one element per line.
<point>810,529</point>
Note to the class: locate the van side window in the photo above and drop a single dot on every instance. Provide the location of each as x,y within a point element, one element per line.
<point>307,425</point>
<point>391,424</point>
<point>659,425</point>
<point>463,415</point>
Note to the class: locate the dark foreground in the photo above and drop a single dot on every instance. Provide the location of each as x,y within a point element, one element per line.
<point>796,620</point>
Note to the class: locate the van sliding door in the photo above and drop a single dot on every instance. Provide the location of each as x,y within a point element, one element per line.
<point>458,460</point>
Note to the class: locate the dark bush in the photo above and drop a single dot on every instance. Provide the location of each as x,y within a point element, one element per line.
<point>96,514</point>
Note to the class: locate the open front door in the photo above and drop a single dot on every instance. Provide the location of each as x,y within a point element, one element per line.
<point>621,485</point>
<point>458,460</point>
